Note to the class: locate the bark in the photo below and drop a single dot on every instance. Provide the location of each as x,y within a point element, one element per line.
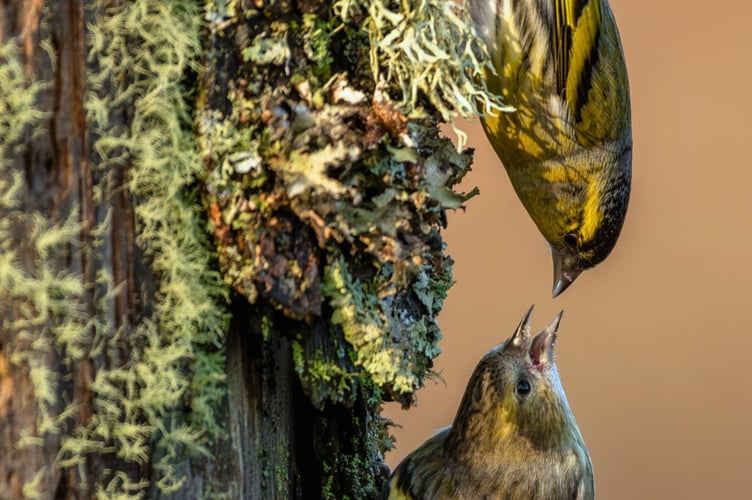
<point>54,166</point>
<point>232,330</point>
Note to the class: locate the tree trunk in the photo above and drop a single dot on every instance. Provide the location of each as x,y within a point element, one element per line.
<point>220,242</point>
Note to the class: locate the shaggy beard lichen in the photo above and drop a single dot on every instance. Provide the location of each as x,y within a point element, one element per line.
<point>41,307</point>
<point>151,47</point>
<point>159,408</point>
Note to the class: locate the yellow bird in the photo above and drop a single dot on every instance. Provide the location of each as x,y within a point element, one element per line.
<point>568,146</point>
<point>514,436</point>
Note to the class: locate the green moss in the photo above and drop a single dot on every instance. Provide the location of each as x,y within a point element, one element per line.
<point>316,34</point>
<point>357,462</point>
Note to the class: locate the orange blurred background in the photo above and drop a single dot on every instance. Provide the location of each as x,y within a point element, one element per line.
<point>655,342</point>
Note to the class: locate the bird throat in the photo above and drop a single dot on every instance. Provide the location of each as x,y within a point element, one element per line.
<point>560,201</point>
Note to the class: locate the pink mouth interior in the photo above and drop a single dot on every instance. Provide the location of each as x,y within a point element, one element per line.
<point>536,351</point>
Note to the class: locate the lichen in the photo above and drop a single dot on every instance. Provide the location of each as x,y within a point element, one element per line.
<point>40,306</point>
<point>322,172</point>
<point>150,48</point>
<point>327,185</point>
<point>328,204</point>
<point>426,49</point>
<point>158,409</point>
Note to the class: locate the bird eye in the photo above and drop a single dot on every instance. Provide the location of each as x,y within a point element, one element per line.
<point>570,240</point>
<point>523,387</point>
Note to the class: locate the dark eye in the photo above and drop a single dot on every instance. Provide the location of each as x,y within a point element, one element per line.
<point>570,240</point>
<point>523,387</point>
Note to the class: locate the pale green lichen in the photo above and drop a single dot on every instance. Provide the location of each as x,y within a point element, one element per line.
<point>360,312</point>
<point>40,305</point>
<point>429,50</point>
<point>34,488</point>
<point>303,165</point>
<point>327,186</point>
<point>159,408</point>
<point>269,48</point>
<point>150,47</point>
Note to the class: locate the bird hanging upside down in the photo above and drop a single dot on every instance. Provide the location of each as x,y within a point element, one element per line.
<point>568,145</point>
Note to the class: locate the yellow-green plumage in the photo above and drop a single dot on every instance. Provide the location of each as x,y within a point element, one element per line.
<point>505,443</point>
<point>568,146</point>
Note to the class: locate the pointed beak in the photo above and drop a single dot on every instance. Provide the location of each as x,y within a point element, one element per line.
<point>521,336</point>
<point>519,343</point>
<point>542,350</point>
<point>565,272</point>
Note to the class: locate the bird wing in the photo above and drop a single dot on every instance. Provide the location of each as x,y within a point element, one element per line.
<point>422,474</point>
<point>587,56</point>
<point>574,41</point>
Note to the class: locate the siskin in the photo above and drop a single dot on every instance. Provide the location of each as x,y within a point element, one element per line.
<point>568,146</point>
<point>514,436</point>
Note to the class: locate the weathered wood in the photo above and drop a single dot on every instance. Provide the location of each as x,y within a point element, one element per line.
<point>261,412</point>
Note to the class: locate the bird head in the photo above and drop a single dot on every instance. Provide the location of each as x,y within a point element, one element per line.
<point>514,399</point>
<point>589,222</point>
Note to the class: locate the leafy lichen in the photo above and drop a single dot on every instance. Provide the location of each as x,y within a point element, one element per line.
<point>320,198</point>
<point>328,182</point>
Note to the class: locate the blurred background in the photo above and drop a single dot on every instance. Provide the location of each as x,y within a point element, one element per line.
<point>654,345</point>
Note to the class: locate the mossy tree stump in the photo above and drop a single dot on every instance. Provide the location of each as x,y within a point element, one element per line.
<point>220,244</point>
